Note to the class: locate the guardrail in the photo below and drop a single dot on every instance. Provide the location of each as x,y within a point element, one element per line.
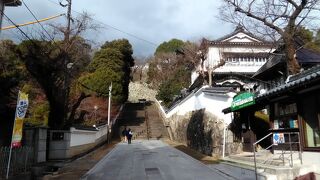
<point>283,151</point>
<point>21,160</point>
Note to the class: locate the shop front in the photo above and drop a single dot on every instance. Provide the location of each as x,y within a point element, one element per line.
<point>293,111</point>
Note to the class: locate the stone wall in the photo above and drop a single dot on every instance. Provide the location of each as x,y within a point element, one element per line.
<point>203,132</point>
<point>139,90</point>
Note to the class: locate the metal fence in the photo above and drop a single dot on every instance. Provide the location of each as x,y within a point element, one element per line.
<point>21,160</point>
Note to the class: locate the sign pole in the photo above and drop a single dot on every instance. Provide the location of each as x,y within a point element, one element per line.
<point>14,122</point>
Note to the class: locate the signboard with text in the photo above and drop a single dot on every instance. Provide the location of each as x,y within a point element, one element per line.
<point>242,100</point>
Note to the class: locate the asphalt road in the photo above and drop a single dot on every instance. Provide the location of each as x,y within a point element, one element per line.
<point>151,159</point>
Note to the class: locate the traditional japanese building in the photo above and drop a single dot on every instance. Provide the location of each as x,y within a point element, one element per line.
<point>243,55</point>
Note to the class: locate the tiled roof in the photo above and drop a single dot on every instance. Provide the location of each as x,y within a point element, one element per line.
<point>304,77</point>
<point>218,90</point>
<point>304,56</point>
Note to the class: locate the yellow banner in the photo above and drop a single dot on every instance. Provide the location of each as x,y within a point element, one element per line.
<point>21,110</point>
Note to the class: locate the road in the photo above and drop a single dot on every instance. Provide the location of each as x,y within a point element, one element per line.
<point>151,159</point>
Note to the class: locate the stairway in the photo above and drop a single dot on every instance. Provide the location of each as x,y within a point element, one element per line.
<point>156,128</point>
<point>144,121</point>
<point>133,117</point>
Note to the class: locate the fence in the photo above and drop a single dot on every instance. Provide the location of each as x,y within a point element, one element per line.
<point>21,160</point>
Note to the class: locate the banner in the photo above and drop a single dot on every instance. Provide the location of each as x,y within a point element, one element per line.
<point>21,110</point>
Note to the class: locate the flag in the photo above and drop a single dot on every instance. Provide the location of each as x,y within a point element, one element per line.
<point>21,110</point>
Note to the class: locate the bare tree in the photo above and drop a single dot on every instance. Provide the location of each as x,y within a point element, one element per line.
<point>272,17</point>
<point>203,56</point>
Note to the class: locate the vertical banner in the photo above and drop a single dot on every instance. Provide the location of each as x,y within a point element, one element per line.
<point>21,110</point>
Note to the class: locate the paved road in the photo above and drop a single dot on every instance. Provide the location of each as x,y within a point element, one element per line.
<point>152,159</point>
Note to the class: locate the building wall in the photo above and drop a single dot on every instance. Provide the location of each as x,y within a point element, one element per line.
<point>199,100</point>
<point>214,57</point>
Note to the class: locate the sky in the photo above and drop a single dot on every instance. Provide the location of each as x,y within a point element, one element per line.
<point>145,23</point>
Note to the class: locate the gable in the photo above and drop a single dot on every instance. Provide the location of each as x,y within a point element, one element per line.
<point>241,37</point>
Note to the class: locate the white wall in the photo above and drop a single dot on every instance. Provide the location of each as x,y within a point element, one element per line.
<point>199,100</point>
<point>81,137</point>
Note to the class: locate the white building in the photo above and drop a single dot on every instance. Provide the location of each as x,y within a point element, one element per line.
<point>243,54</point>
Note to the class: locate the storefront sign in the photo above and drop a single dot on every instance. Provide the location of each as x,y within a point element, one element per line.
<point>242,100</point>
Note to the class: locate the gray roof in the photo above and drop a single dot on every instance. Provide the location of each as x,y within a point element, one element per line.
<point>306,77</point>
<point>295,81</point>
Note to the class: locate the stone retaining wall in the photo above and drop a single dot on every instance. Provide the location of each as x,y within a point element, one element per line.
<point>203,132</point>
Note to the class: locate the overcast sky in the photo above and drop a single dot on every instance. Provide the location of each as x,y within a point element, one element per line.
<point>153,21</point>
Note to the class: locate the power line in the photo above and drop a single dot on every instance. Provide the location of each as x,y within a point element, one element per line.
<point>115,28</point>
<point>16,26</point>
<point>50,37</point>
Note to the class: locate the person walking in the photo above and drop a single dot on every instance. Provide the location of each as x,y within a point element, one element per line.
<point>129,135</point>
<point>124,134</point>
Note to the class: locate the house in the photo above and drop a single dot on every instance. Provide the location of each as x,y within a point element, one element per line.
<point>291,103</point>
<point>243,54</point>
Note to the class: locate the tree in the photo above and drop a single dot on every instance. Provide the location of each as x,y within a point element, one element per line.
<point>170,88</point>
<point>279,16</point>
<point>169,47</point>
<point>112,63</point>
<point>168,58</point>
<point>311,41</point>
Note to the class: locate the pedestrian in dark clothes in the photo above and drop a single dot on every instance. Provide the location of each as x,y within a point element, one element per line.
<point>124,134</point>
<point>129,135</point>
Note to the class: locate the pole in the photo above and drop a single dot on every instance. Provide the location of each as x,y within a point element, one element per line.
<point>109,105</point>
<point>1,13</point>
<point>224,140</point>
<point>10,152</point>
<point>66,78</point>
<point>67,35</point>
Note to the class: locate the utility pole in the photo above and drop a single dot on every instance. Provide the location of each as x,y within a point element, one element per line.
<point>109,106</point>
<point>67,34</point>
<point>66,60</point>
<point>1,13</point>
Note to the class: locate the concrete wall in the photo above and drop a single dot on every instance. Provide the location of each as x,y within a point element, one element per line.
<point>36,138</point>
<point>78,141</point>
<point>59,147</point>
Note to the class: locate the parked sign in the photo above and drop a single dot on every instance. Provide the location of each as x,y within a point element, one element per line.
<point>242,100</point>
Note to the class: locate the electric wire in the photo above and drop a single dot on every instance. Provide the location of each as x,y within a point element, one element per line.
<point>50,37</point>
<point>114,28</point>
<point>22,32</point>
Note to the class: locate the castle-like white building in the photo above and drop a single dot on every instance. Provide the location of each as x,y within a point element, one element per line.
<point>243,54</point>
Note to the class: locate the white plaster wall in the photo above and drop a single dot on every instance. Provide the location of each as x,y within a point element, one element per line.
<point>241,37</point>
<point>194,76</point>
<point>213,58</point>
<point>81,137</point>
<point>199,100</point>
